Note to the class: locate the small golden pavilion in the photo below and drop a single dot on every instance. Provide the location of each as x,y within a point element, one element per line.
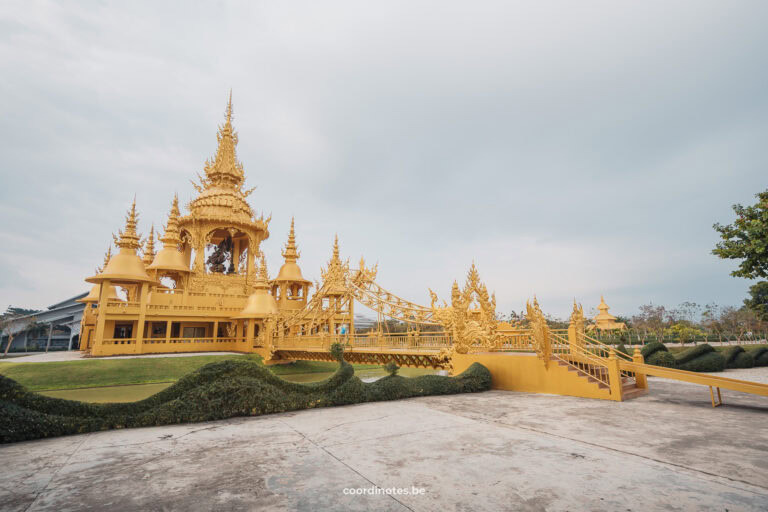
<point>207,288</point>
<point>604,321</point>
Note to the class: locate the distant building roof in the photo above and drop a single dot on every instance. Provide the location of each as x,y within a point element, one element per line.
<point>68,302</point>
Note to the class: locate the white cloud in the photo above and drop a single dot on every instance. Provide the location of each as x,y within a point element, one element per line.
<point>570,148</point>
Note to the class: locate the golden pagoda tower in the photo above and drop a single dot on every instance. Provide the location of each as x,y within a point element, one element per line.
<point>169,261</point>
<point>289,287</point>
<point>605,321</point>
<point>126,270</point>
<point>91,301</point>
<point>261,306</point>
<point>212,297</point>
<point>334,290</point>
<point>221,219</point>
<point>93,295</point>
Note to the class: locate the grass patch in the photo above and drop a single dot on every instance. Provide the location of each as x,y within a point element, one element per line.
<point>89,373</point>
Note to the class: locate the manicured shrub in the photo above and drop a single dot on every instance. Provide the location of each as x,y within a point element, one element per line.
<point>623,349</point>
<point>651,348</point>
<point>760,355</point>
<point>662,358</point>
<point>216,391</point>
<point>693,353</point>
<point>736,357</point>
<point>391,368</point>
<point>708,362</point>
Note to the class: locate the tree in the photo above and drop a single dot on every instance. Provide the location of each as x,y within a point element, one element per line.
<point>685,332</point>
<point>746,239</point>
<point>651,318</point>
<point>710,319</point>
<point>12,324</point>
<point>738,321</point>
<point>758,299</point>
<point>688,312</point>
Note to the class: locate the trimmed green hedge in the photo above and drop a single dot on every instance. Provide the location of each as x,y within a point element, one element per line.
<point>651,348</point>
<point>662,358</point>
<point>736,357</point>
<point>215,391</point>
<point>623,349</point>
<point>701,358</point>
<point>694,352</point>
<point>760,355</point>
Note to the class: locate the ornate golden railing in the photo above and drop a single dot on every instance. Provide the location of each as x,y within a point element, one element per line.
<point>406,341</point>
<point>579,358</point>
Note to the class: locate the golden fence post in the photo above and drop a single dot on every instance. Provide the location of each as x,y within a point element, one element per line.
<point>614,376</point>
<point>640,379</point>
<point>572,336</point>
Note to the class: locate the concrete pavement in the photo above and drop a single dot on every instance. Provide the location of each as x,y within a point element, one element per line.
<point>498,450</point>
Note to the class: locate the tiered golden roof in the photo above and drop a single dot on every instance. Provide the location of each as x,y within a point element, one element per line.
<point>169,258</point>
<point>93,295</point>
<point>220,193</point>
<point>603,311</point>
<point>334,275</point>
<point>290,271</point>
<point>606,321</point>
<point>125,266</point>
<point>261,303</point>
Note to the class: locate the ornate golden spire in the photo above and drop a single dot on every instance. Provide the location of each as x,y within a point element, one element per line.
<point>107,257</point>
<point>169,258</point>
<point>171,237</point>
<point>262,277</point>
<point>221,196</point>
<point>336,249</point>
<point>128,238</point>
<point>290,253</point>
<point>149,247</point>
<point>260,303</point>
<point>225,170</point>
<point>335,274</point>
<point>229,110</point>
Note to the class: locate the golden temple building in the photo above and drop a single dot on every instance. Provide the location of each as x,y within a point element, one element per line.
<point>605,321</point>
<point>207,288</point>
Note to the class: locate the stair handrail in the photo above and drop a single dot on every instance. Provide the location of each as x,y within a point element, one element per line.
<point>756,388</point>
<point>592,341</point>
<point>590,357</point>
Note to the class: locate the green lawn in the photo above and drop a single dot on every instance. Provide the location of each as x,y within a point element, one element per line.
<point>116,372</point>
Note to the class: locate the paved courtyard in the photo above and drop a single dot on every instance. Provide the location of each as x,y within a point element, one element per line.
<point>498,450</point>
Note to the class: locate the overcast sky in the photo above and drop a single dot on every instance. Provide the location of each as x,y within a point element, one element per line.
<point>569,148</point>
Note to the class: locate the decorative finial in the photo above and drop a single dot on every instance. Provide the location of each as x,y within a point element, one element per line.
<point>175,206</point>
<point>336,247</point>
<point>149,247</point>
<point>129,239</point>
<point>229,109</point>
<point>107,257</point>
<point>171,238</point>
<point>224,170</point>
<point>290,253</point>
<point>263,275</point>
